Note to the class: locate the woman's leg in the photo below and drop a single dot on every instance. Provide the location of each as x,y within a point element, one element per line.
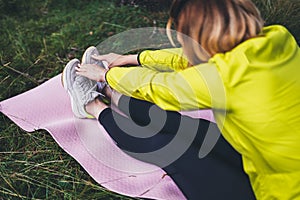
<point>216,176</point>
<point>219,175</point>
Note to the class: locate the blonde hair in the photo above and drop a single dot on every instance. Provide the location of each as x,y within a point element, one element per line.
<point>217,26</point>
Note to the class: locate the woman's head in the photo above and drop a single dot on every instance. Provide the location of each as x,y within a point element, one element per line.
<point>216,26</point>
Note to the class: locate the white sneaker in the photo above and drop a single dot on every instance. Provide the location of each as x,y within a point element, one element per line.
<point>80,89</point>
<point>87,59</point>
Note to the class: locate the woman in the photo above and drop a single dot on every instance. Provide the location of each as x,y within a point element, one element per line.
<point>256,101</point>
<point>147,129</point>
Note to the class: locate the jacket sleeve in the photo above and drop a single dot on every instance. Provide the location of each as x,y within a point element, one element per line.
<point>188,89</point>
<point>163,60</point>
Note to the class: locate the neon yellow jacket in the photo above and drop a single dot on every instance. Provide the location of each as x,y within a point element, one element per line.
<point>254,91</point>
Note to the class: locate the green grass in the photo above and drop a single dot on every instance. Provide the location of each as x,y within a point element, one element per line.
<point>284,12</point>
<point>35,45</point>
<point>34,167</point>
<point>37,39</point>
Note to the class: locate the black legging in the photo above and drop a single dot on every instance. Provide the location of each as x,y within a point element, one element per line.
<point>219,175</point>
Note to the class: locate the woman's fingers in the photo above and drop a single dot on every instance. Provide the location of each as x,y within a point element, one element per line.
<point>80,68</point>
<point>91,71</point>
<point>99,57</point>
<point>112,59</point>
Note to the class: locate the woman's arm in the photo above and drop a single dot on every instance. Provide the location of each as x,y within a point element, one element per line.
<point>164,60</point>
<point>189,89</point>
<point>159,60</point>
<point>114,59</point>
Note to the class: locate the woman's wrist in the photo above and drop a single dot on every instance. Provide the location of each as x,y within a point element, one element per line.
<point>131,59</point>
<point>102,77</point>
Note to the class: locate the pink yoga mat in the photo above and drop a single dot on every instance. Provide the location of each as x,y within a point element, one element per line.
<point>48,107</point>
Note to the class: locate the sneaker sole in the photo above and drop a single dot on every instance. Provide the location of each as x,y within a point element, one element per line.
<point>86,58</point>
<point>66,79</point>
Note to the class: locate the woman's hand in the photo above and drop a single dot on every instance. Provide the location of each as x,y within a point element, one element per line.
<point>91,71</point>
<point>114,59</point>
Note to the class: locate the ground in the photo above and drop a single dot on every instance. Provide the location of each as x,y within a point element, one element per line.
<point>37,39</point>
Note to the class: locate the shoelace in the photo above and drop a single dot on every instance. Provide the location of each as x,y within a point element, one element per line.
<point>86,89</point>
